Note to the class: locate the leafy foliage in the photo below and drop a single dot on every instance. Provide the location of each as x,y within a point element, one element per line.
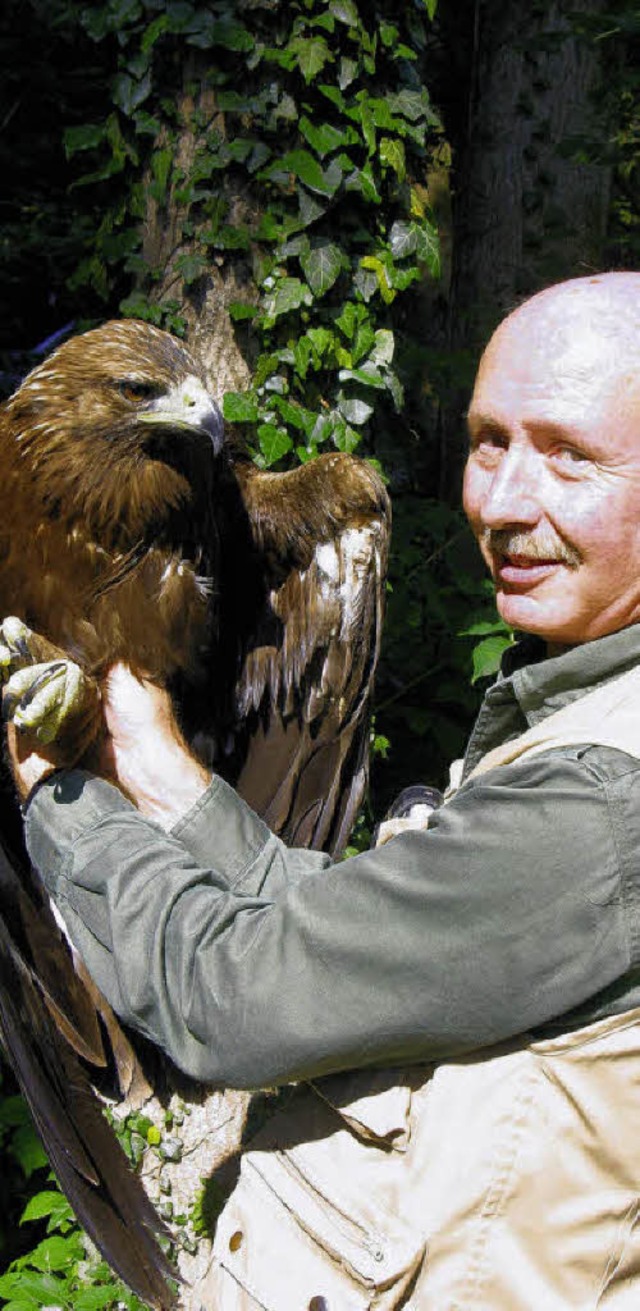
<point>327,134</point>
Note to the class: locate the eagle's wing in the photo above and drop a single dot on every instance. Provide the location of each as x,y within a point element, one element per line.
<point>47,1022</point>
<point>321,533</point>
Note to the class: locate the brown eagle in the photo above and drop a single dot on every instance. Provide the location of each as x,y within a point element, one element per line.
<point>131,530</point>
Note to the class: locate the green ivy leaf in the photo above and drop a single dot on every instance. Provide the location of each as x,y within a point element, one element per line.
<point>376,266</point>
<point>392,152</point>
<point>191,267</point>
<point>311,54</point>
<point>288,294</point>
<point>428,247</point>
<point>86,137</point>
<point>296,415</point>
<point>274,443</point>
<point>345,438</point>
<point>27,1149</point>
<point>345,11</point>
<point>322,265</point>
<point>366,283</point>
<point>95,1299</point>
<point>487,655</point>
<point>368,375</point>
<point>306,167</point>
<point>485,626</point>
<point>47,1203</point>
<point>384,348</point>
<point>129,92</point>
<point>403,239</point>
<point>363,180</point>
<point>240,310</point>
<point>33,1290</point>
<point>153,31</point>
<point>310,208</point>
<point>347,73</point>
<point>240,407</point>
<point>413,105</point>
<point>57,1253</point>
<point>354,409</point>
<point>323,137</point>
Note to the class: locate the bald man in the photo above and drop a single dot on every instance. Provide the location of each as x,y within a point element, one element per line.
<point>501,945</point>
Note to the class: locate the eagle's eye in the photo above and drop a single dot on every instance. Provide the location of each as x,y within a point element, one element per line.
<point>132,390</point>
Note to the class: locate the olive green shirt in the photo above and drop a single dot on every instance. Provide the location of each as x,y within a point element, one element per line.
<point>252,964</point>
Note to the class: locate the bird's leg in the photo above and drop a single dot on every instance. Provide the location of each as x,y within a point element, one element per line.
<point>45,693</point>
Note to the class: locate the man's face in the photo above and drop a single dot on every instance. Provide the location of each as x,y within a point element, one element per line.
<point>552,483</point>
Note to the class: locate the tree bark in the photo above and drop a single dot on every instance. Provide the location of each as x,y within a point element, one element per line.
<point>526,211</point>
<point>173,229</point>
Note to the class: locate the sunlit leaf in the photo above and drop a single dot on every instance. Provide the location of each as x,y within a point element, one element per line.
<point>345,11</point>
<point>311,54</point>
<point>274,443</point>
<point>487,655</point>
<point>392,152</point>
<point>240,407</point>
<point>354,409</point>
<point>321,265</point>
<point>288,294</point>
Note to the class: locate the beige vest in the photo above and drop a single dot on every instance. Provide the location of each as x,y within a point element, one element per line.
<point>505,1181</point>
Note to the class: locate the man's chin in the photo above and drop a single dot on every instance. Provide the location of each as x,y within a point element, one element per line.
<point>529,614</point>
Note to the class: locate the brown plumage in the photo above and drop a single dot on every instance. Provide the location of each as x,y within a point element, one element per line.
<point>129,530</point>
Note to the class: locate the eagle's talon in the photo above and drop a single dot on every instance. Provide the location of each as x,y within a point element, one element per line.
<point>14,646</point>
<point>54,701</point>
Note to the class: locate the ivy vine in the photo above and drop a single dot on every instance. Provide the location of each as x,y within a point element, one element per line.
<point>321,116</point>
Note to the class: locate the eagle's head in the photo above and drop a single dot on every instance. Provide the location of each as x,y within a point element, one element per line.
<point>116,429</point>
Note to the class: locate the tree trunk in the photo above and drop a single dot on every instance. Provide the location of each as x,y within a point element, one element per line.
<point>174,230</point>
<point>527,212</point>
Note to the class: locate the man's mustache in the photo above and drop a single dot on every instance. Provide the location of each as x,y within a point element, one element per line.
<point>533,545</point>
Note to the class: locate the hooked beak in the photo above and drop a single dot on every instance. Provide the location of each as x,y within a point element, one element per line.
<point>187,407</point>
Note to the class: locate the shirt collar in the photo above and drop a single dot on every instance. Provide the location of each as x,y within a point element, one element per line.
<point>532,685</point>
<point>543,684</point>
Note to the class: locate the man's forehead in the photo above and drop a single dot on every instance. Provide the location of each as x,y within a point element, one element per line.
<point>569,350</point>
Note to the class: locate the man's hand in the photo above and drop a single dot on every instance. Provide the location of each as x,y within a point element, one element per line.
<point>143,750</point>
<point>140,749</point>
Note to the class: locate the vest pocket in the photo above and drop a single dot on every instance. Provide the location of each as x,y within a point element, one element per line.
<point>326,1204</point>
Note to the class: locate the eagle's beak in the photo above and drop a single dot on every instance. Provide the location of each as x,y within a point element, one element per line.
<point>189,408</point>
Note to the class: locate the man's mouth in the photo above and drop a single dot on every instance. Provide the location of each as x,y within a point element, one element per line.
<point>524,559</point>
<point>524,570</point>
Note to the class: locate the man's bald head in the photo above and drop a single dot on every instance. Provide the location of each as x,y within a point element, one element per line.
<point>552,486</point>
<point>591,324</point>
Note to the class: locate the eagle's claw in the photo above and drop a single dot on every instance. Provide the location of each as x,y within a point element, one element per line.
<point>40,699</point>
<point>20,646</point>
<point>14,646</point>
<point>45,693</point>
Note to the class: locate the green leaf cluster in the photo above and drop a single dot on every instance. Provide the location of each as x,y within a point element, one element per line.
<point>320,115</point>
<point>57,1268</point>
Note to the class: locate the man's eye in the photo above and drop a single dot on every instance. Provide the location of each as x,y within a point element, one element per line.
<point>489,445</point>
<point>570,455</point>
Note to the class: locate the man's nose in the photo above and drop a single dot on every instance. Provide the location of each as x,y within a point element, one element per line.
<point>513,493</point>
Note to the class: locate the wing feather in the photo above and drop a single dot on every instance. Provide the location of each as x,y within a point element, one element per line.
<point>322,533</point>
<point>47,1020</point>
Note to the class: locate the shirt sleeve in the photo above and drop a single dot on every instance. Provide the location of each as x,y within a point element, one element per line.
<point>252,964</point>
